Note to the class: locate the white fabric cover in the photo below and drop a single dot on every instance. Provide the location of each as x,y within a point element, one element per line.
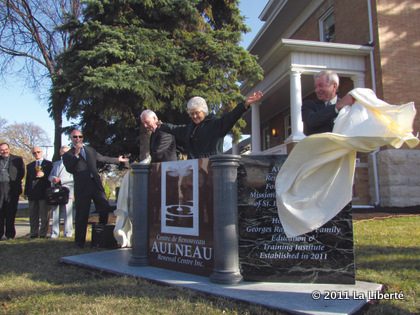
<point>123,227</point>
<point>315,182</point>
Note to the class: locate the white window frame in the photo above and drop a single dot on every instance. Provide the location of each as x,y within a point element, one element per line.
<point>321,23</point>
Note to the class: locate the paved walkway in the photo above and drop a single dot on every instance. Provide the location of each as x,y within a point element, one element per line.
<point>295,298</point>
<point>22,229</point>
<point>22,224</point>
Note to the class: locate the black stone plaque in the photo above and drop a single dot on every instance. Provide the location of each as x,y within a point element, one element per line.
<point>325,255</point>
<point>181,216</point>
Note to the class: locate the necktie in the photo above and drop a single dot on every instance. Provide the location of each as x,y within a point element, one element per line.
<point>83,153</point>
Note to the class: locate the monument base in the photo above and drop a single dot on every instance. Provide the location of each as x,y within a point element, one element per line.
<point>292,298</point>
<point>225,277</point>
<point>325,255</point>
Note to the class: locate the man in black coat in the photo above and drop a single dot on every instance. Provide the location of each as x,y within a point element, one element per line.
<point>12,171</point>
<point>162,144</point>
<point>36,185</point>
<point>80,161</point>
<point>318,115</point>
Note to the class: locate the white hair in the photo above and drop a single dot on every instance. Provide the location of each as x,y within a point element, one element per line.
<point>330,75</point>
<point>198,103</point>
<point>147,113</point>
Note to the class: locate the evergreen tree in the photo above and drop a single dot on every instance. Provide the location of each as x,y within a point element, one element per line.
<point>135,54</point>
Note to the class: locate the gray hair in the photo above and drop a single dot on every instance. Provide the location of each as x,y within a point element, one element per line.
<point>198,103</point>
<point>147,113</point>
<point>330,75</point>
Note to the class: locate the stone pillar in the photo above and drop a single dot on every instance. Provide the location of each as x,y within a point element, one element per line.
<point>139,195</point>
<point>235,148</point>
<point>225,229</point>
<point>255,129</point>
<point>295,108</point>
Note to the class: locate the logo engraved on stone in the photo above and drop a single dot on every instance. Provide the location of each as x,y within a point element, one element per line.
<point>179,209</point>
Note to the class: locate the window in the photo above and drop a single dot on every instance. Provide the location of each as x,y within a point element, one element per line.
<point>266,138</point>
<point>327,26</point>
<point>287,126</point>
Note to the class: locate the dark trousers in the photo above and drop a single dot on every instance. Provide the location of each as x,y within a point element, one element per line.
<point>8,209</point>
<point>82,201</point>
<point>39,217</point>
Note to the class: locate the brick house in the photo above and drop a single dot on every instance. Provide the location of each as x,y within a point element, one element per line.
<point>369,43</point>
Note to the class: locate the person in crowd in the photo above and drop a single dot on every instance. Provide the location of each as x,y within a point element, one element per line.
<point>60,176</point>
<point>203,136</point>
<point>162,144</point>
<point>36,184</point>
<point>12,171</point>
<point>318,115</point>
<point>80,161</point>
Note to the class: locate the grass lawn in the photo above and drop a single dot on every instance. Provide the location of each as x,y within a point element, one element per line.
<point>388,252</point>
<point>32,281</point>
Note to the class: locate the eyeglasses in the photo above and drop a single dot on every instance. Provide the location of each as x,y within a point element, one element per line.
<point>36,152</point>
<point>75,137</point>
<point>197,113</point>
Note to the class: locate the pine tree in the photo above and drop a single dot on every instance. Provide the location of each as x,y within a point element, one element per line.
<point>136,54</point>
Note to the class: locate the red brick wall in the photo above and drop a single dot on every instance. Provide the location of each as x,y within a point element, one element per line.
<point>351,22</point>
<point>399,42</point>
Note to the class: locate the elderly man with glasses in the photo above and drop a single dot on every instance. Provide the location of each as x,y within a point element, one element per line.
<point>80,161</point>
<point>36,184</point>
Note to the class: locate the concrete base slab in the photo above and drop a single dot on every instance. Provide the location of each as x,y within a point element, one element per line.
<point>295,298</point>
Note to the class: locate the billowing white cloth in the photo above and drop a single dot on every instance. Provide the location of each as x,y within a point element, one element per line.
<point>315,182</point>
<point>123,227</point>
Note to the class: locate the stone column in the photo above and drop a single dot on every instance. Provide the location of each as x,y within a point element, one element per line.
<point>225,229</point>
<point>295,108</point>
<point>255,129</point>
<point>139,195</point>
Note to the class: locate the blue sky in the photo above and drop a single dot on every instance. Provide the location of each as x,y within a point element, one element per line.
<point>20,104</point>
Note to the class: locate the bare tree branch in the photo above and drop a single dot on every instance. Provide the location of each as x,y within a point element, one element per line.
<point>30,31</point>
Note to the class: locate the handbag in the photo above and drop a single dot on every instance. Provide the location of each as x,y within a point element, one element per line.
<point>57,195</point>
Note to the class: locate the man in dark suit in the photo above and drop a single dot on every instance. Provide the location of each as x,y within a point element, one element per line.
<point>318,115</point>
<point>36,185</point>
<point>12,170</point>
<point>80,161</point>
<point>162,144</point>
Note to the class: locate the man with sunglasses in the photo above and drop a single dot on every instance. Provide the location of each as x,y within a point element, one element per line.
<point>80,161</point>
<point>36,185</point>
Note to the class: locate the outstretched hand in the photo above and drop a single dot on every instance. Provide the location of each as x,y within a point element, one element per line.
<point>253,98</point>
<point>123,159</point>
<point>346,100</point>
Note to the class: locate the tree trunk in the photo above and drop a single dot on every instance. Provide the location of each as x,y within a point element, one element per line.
<point>57,115</point>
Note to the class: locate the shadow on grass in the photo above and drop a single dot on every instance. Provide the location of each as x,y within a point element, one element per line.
<point>383,258</point>
<point>31,268</point>
<point>38,261</point>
